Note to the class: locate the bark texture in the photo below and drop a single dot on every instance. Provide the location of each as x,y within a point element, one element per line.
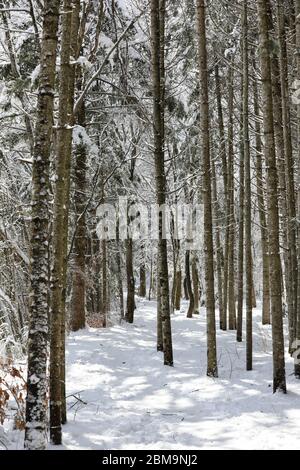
<point>279,380</point>
<point>212,368</point>
<point>36,400</point>
<point>157,41</point>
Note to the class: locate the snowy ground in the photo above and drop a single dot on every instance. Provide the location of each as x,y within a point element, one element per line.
<point>131,401</point>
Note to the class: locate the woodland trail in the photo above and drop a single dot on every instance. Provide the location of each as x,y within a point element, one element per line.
<point>129,400</point>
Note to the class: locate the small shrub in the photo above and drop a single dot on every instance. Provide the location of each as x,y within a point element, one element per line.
<point>12,387</point>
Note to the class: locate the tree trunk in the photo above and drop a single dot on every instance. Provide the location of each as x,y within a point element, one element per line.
<point>195,279</point>
<point>297,359</point>
<point>185,288</point>
<point>119,268</point>
<point>279,380</point>
<point>176,262</point>
<point>212,368</point>
<point>60,212</point>
<point>151,280</point>
<point>219,249</point>
<point>280,155</point>
<point>248,200</point>
<point>222,266</point>
<point>36,413</point>
<point>189,284</point>
<point>157,44</point>
<point>68,146</point>
<point>178,290</point>
<point>160,339</point>
<point>142,289</point>
<point>77,304</point>
<point>254,303</point>
<point>240,274</point>
<point>221,129</point>
<point>105,308</point>
<point>230,208</point>
<point>266,313</point>
<point>130,305</point>
<point>289,175</point>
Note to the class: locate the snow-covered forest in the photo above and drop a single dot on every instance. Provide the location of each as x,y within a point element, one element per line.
<point>149,224</point>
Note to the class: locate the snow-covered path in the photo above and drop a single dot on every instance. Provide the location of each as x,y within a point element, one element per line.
<point>131,401</point>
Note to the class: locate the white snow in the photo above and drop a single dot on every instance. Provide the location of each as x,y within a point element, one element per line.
<point>129,400</point>
<point>84,62</point>
<point>35,74</point>
<point>128,8</point>
<point>229,52</point>
<point>80,137</point>
<point>6,299</point>
<point>34,379</point>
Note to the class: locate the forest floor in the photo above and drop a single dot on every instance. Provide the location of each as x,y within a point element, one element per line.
<point>127,399</point>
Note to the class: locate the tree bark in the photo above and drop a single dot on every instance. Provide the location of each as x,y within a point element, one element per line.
<point>78,303</point>
<point>212,368</point>
<point>280,155</point>
<point>61,203</point>
<point>297,10</point>
<point>279,380</point>
<point>189,284</point>
<point>222,265</point>
<point>219,249</point>
<point>230,209</point>
<point>266,313</point>
<point>289,175</point>
<point>248,200</point>
<point>142,289</point>
<point>119,274</point>
<point>36,413</point>
<point>105,301</point>
<point>178,290</point>
<point>157,20</point>
<point>130,305</point>
<point>240,274</point>
<point>68,146</point>
<point>159,326</point>
<point>195,280</point>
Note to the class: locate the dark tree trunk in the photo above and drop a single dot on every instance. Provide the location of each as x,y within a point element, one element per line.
<point>240,274</point>
<point>212,368</point>
<point>142,289</point>
<point>266,313</point>
<point>36,412</point>
<point>248,200</point>
<point>157,44</point>
<point>178,290</point>
<point>130,305</point>
<point>78,303</point>
<point>297,9</point>
<point>189,285</point>
<point>230,209</point>
<point>61,210</point>
<point>279,380</point>
<point>195,280</point>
